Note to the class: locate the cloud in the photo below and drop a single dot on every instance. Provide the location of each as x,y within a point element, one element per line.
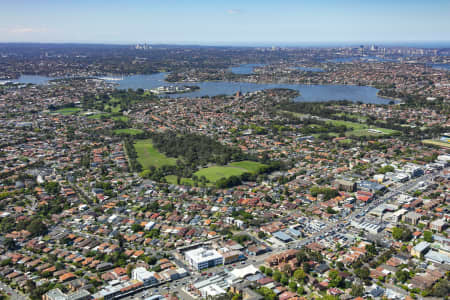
<point>25,30</point>
<point>234,11</point>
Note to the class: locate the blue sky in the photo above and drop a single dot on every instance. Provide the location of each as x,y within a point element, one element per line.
<point>224,21</point>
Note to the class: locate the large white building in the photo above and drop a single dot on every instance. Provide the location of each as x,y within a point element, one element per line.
<point>202,258</point>
<point>141,274</point>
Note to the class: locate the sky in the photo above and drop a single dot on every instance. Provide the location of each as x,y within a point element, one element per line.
<point>227,22</point>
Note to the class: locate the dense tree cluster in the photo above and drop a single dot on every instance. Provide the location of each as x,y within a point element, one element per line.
<point>132,155</point>
<point>35,226</point>
<point>328,193</point>
<point>402,234</point>
<point>196,149</point>
<point>121,98</point>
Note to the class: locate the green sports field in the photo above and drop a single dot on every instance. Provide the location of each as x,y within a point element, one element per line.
<point>130,131</point>
<point>215,173</point>
<point>149,156</point>
<point>437,143</point>
<point>68,110</point>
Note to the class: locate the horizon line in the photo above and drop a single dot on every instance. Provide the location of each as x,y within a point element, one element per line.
<point>391,43</point>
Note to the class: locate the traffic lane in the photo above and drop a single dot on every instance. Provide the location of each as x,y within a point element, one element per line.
<point>10,292</point>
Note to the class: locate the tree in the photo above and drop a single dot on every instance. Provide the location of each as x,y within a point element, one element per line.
<point>52,187</point>
<point>300,290</point>
<point>121,240</point>
<point>301,256</point>
<point>362,273</point>
<point>357,290</point>
<point>306,268</point>
<point>335,279</point>
<point>267,293</point>
<point>402,276</point>
<point>329,297</point>
<point>293,286</point>
<point>401,234</point>
<point>284,280</point>
<point>371,249</point>
<point>428,236</point>
<point>441,289</point>
<point>10,244</point>
<point>268,272</point>
<point>130,268</point>
<point>386,169</point>
<point>299,275</point>
<point>287,270</point>
<point>262,269</point>
<point>136,227</point>
<point>276,276</point>
<point>330,210</point>
<point>37,228</point>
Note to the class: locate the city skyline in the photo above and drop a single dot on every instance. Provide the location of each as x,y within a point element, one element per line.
<point>231,23</point>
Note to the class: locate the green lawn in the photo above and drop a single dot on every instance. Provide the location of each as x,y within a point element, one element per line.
<point>114,109</point>
<point>296,114</point>
<point>354,128</point>
<point>68,110</point>
<point>250,166</point>
<point>354,116</point>
<point>120,118</point>
<point>130,131</point>
<point>349,124</point>
<point>108,115</point>
<point>149,156</point>
<point>346,141</point>
<point>98,116</point>
<point>214,173</point>
<point>437,143</point>
<point>367,132</point>
<point>172,179</point>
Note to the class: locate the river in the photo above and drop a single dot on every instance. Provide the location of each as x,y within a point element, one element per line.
<point>308,93</point>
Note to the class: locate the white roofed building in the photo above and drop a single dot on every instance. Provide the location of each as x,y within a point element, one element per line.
<point>202,258</point>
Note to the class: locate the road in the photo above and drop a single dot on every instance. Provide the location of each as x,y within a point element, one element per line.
<point>406,187</point>
<point>13,294</point>
<point>174,287</point>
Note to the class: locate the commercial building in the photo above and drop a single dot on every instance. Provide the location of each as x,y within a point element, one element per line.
<point>419,249</point>
<point>345,185</point>
<point>282,236</point>
<point>369,227</point>
<point>57,294</point>
<point>412,218</point>
<point>231,256</point>
<point>213,286</point>
<point>117,289</point>
<point>437,257</point>
<point>438,225</point>
<point>202,258</point>
<point>395,216</point>
<point>141,274</point>
<point>370,186</point>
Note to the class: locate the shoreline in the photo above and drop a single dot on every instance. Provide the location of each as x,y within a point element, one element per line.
<point>116,83</point>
